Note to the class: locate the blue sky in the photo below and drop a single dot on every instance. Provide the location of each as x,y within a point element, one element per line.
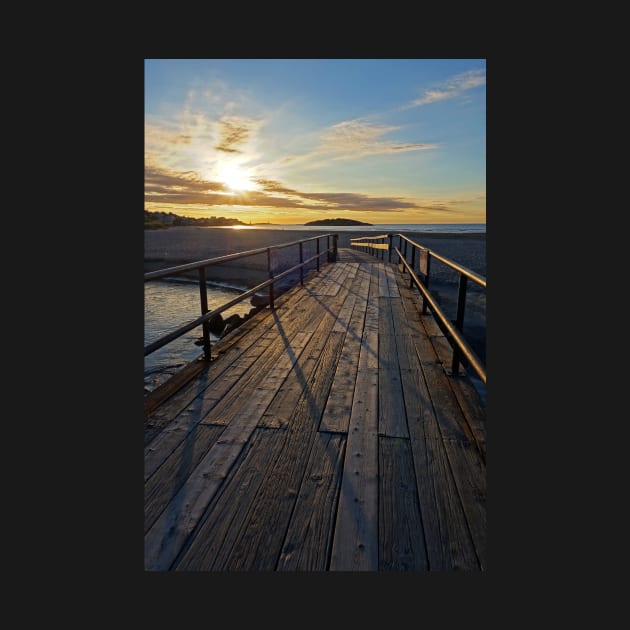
<point>292,140</point>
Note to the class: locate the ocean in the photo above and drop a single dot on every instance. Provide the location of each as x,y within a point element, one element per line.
<point>167,305</point>
<point>172,302</point>
<point>452,228</point>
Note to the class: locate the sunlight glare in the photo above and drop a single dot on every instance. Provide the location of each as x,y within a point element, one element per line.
<point>235,177</point>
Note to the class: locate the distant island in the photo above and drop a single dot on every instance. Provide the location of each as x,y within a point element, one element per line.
<point>337,222</point>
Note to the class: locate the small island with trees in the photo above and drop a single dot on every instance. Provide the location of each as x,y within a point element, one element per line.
<point>337,221</point>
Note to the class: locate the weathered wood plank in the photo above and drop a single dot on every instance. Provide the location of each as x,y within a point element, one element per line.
<point>469,474</point>
<point>459,443</point>
<point>459,549</point>
<point>251,368</point>
<point>249,497</point>
<point>345,313</point>
<point>169,533</point>
<point>155,398</point>
<point>268,371</point>
<point>175,431</point>
<point>227,516</point>
<point>392,282</point>
<point>450,417</point>
<point>368,357</point>
<point>329,284</point>
<point>336,280</point>
<point>392,419</point>
<point>336,416</point>
<point>256,544</point>
<point>392,416</point>
<point>245,337</point>
<point>401,536</point>
<point>309,535</point>
<point>283,406</point>
<point>474,410</point>
<point>418,335</point>
<point>383,286</point>
<point>448,541</point>
<point>171,476</point>
<point>355,541</point>
<point>406,332</point>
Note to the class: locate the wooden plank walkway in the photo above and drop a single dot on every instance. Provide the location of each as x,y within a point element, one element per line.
<point>327,435</point>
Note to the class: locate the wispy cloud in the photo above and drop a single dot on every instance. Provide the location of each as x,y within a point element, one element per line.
<point>156,178</point>
<point>357,138</point>
<point>168,187</point>
<point>234,131</point>
<point>354,139</point>
<point>451,88</point>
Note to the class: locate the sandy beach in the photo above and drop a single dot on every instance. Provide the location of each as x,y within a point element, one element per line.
<point>178,245</point>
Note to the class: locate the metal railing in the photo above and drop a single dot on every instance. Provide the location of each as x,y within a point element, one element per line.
<point>206,316</point>
<point>372,244</point>
<point>453,329</point>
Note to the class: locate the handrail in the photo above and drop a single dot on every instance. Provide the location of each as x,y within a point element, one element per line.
<point>163,273</point>
<point>366,247</point>
<point>273,278</point>
<point>475,277</point>
<point>368,238</point>
<point>463,346</point>
<point>458,343</point>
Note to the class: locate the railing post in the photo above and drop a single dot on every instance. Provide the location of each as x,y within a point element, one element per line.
<point>413,262</point>
<point>301,263</point>
<point>426,283</point>
<point>389,252</point>
<point>459,320</point>
<point>317,241</point>
<point>328,247</point>
<point>270,271</point>
<point>404,254</point>
<point>335,239</point>
<point>203,295</point>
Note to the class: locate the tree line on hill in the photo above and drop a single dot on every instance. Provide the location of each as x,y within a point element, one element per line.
<point>157,220</point>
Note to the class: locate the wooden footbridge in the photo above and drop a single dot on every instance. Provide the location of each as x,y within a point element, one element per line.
<point>336,431</point>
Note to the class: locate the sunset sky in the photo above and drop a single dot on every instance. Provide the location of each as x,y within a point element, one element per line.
<point>293,140</point>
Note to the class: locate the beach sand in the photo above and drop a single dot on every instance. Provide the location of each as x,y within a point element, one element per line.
<point>178,245</point>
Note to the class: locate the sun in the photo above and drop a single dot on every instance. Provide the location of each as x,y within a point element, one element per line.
<point>235,177</point>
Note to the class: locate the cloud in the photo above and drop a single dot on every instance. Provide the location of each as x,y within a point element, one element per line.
<point>167,187</point>
<point>451,88</point>
<point>235,131</point>
<point>352,139</point>
<point>187,188</point>
<point>357,138</point>
<point>325,201</point>
<point>165,182</point>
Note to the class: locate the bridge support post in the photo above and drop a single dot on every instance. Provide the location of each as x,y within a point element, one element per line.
<point>203,295</point>
<point>270,271</point>
<point>459,320</point>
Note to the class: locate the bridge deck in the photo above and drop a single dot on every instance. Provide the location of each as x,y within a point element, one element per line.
<point>327,435</point>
